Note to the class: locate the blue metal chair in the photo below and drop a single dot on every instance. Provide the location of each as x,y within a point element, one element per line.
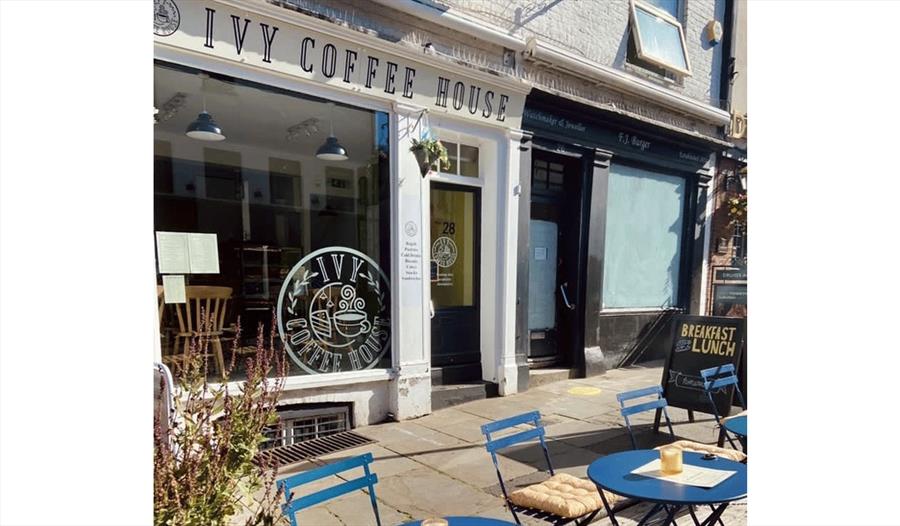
<point>718,379</point>
<point>659,403</point>
<point>291,507</point>
<point>494,445</point>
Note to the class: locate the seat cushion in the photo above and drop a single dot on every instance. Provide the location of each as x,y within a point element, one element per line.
<point>562,495</point>
<point>698,447</point>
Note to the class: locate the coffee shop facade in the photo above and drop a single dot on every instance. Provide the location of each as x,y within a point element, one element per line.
<point>569,226</point>
<point>285,191</point>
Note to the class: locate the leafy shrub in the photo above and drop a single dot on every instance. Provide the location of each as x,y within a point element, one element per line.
<point>204,468</point>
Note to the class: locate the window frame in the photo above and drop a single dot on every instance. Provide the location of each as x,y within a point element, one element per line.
<point>460,140</point>
<point>634,5</point>
<point>274,81</point>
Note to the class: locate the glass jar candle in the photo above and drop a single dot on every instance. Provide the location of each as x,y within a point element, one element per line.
<point>670,460</point>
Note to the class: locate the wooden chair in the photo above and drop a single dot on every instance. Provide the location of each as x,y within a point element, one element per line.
<point>160,299</point>
<point>202,315</point>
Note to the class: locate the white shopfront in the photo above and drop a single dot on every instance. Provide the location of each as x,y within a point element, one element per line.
<point>349,250</point>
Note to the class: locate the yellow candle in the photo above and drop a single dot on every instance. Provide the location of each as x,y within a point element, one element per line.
<point>670,460</point>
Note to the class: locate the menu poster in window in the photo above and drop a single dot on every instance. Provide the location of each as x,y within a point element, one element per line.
<point>203,253</point>
<point>172,253</point>
<point>701,342</point>
<point>173,289</point>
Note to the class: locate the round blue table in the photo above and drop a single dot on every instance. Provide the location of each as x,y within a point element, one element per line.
<point>613,473</point>
<point>737,425</point>
<point>469,521</point>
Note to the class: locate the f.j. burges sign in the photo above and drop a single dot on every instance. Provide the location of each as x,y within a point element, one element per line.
<point>245,37</point>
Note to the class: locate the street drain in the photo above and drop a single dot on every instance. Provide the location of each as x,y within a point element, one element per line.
<point>310,449</point>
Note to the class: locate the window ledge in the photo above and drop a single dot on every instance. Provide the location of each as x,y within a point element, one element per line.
<point>651,76</point>
<point>294,383</point>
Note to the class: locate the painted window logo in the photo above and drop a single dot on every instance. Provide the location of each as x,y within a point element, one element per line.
<point>166,17</point>
<point>444,252</point>
<point>334,312</point>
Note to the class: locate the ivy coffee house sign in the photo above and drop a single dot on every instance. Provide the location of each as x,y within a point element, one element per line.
<point>242,36</point>
<point>334,312</point>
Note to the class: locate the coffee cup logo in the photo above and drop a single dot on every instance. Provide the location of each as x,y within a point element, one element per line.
<point>334,311</point>
<point>166,17</point>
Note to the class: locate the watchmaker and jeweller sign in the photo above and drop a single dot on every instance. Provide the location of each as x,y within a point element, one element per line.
<point>334,312</point>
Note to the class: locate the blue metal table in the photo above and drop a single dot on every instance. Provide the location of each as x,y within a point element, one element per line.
<point>737,425</point>
<point>613,473</point>
<point>469,521</point>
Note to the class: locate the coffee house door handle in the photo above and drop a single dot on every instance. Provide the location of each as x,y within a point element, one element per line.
<point>562,289</point>
<point>431,308</point>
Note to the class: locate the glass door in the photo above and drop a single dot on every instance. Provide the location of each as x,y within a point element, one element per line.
<point>455,276</point>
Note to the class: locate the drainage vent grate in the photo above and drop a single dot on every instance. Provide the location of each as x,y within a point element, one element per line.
<point>317,447</point>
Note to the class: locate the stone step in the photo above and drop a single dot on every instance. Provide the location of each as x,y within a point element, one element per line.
<point>443,396</point>
<point>538,377</point>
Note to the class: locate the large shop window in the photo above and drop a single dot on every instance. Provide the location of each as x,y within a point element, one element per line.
<point>284,209</point>
<point>644,231</point>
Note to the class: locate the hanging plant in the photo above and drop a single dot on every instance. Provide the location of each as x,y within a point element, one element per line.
<point>430,155</point>
<point>737,210</point>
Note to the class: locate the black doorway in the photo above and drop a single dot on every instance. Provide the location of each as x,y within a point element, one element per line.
<point>456,281</point>
<point>555,259</point>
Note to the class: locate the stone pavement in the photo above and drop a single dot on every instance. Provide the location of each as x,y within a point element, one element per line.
<point>437,465</point>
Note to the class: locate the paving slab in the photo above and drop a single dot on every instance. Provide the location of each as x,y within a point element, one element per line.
<point>460,424</point>
<point>385,463</point>
<point>356,509</point>
<point>473,466</point>
<point>437,465</point>
<point>424,492</point>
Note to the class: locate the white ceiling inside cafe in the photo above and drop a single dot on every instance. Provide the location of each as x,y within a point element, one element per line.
<point>259,118</point>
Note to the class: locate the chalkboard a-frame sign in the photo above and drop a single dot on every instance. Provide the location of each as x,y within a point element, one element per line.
<point>700,342</point>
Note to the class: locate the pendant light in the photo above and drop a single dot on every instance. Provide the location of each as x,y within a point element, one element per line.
<point>204,128</point>
<point>331,150</point>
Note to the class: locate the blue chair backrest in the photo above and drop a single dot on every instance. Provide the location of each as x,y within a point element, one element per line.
<point>657,403</point>
<point>291,507</point>
<point>719,378</point>
<point>494,445</point>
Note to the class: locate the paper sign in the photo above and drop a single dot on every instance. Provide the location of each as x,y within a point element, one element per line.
<point>203,253</point>
<point>173,289</point>
<point>691,475</point>
<point>540,253</point>
<point>172,253</point>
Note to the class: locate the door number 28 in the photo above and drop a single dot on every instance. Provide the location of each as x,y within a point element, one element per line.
<point>449,228</point>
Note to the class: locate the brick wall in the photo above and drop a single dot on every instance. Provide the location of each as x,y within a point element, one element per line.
<point>598,30</point>
<point>720,229</point>
<point>595,29</point>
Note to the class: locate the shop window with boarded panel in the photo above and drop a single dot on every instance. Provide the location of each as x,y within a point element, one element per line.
<point>644,232</point>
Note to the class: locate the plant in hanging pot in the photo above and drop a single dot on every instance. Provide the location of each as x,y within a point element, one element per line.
<point>430,155</point>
